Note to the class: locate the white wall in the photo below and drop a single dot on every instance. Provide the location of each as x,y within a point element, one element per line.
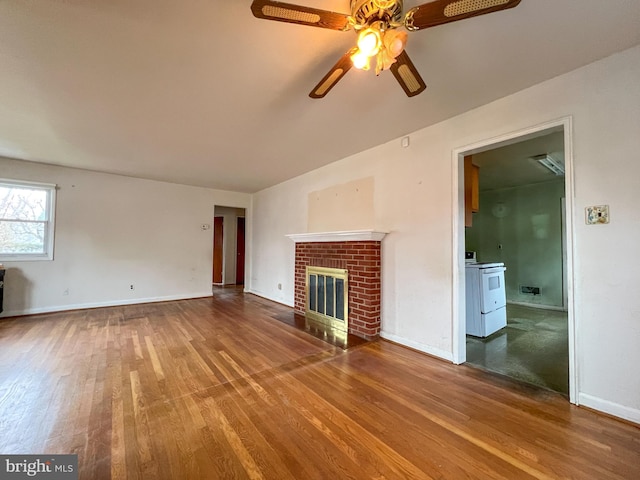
<point>114,231</point>
<point>414,202</point>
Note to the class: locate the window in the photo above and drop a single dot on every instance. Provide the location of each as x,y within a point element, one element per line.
<point>26,220</point>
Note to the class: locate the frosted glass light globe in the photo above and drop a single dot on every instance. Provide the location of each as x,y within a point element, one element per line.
<point>369,42</point>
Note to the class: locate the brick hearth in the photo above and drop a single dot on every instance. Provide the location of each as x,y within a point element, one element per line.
<point>362,260</point>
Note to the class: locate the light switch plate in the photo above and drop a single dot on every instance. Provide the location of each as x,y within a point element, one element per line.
<point>597,214</point>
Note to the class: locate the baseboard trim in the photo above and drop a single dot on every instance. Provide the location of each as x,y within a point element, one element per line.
<point>610,408</point>
<point>109,303</point>
<point>267,297</point>
<point>435,352</point>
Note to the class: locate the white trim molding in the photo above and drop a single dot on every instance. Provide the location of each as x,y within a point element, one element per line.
<point>346,236</point>
<point>611,408</point>
<point>429,350</point>
<point>104,304</point>
<point>564,124</point>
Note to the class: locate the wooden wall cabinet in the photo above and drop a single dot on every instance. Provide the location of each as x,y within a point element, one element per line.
<point>471,190</point>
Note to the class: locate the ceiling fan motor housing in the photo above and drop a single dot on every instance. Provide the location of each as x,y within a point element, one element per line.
<point>365,11</point>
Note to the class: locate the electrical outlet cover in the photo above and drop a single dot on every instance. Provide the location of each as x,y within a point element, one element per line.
<point>598,214</point>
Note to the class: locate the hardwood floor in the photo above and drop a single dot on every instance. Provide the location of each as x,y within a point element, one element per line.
<point>219,389</point>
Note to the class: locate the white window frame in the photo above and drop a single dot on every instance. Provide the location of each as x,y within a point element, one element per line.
<point>49,228</point>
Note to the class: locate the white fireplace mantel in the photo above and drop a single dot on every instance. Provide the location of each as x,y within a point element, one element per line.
<point>347,236</point>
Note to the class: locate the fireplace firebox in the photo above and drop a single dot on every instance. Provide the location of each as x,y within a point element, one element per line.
<point>327,296</point>
<point>358,255</point>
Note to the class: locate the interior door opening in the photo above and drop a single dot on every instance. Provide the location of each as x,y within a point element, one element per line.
<point>218,249</point>
<point>228,246</point>
<point>240,251</point>
<point>521,220</point>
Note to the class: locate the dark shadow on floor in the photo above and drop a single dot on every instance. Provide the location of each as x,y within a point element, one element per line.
<point>321,331</point>
<point>533,348</point>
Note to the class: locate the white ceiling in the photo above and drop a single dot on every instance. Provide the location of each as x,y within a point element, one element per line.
<point>202,93</point>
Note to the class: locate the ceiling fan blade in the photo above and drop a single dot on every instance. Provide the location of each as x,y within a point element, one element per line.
<point>407,75</point>
<point>287,12</point>
<point>334,75</point>
<point>445,11</point>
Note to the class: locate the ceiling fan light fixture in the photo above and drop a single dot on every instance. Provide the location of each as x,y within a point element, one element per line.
<point>384,44</point>
<point>360,60</point>
<point>394,42</point>
<point>369,41</point>
<point>377,23</point>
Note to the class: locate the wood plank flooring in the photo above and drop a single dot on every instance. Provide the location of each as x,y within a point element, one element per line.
<point>217,388</point>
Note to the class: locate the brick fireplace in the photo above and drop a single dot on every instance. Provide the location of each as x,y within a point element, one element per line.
<point>358,253</point>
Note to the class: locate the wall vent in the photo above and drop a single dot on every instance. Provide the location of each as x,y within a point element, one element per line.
<point>529,290</point>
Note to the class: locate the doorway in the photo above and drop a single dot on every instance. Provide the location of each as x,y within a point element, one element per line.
<point>218,249</point>
<point>228,246</point>
<point>519,224</point>
<point>240,251</point>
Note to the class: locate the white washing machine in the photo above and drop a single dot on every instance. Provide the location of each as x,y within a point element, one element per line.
<point>486,298</point>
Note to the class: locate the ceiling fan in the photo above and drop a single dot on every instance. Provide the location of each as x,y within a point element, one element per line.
<point>378,24</point>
